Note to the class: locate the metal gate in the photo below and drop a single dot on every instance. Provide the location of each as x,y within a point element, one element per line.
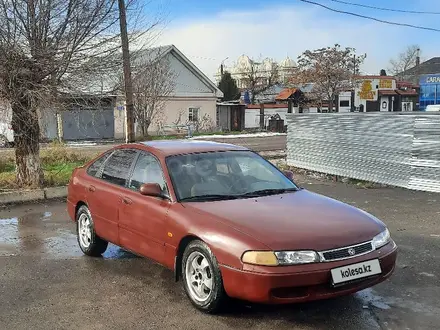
<point>88,124</point>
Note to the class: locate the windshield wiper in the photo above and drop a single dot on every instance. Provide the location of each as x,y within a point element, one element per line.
<point>266,192</point>
<point>204,198</point>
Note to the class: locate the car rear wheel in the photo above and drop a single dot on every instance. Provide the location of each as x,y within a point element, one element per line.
<point>202,279</point>
<point>89,242</point>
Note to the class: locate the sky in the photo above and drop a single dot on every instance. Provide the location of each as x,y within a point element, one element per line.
<point>209,31</point>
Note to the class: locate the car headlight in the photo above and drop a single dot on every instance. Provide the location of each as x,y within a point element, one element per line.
<point>284,258</point>
<point>382,239</point>
<point>297,257</point>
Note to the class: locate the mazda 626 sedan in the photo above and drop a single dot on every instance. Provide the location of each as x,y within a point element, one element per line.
<point>228,223</point>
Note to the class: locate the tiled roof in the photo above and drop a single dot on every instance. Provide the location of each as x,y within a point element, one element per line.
<point>375,77</point>
<point>387,92</point>
<point>285,94</point>
<point>407,92</point>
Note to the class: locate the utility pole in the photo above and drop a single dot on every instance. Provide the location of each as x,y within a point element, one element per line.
<point>354,64</point>
<point>129,108</point>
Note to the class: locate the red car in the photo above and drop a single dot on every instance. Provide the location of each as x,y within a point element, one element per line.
<point>228,223</point>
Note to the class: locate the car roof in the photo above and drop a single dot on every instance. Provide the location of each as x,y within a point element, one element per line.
<point>178,147</point>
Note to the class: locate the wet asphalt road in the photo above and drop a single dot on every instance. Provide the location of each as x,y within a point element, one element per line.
<point>45,282</point>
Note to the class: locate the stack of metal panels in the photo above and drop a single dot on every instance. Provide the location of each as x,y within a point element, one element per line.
<point>400,149</point>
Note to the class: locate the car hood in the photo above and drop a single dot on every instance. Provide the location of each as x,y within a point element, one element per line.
<point>297,220</point>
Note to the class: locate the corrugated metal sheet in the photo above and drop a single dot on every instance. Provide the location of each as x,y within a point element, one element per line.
<point>400,149</point>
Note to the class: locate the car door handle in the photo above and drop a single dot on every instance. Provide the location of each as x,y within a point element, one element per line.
<point>92,188</point>
<point>127,200</point>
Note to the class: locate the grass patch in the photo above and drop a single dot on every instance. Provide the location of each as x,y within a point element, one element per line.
<point>58,164</point>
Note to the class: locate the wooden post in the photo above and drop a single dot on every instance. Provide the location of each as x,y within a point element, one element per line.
<point>129,109</point>
<point>59,127</point>
<point>289,106</point>
<point>262,116</point>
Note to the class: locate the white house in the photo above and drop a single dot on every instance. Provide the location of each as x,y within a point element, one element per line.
<point>194,95</point>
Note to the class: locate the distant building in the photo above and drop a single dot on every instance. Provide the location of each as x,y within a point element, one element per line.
<point>381,93</point>
<point>413,75</point>
<point>429,90</point>
<point>264,69</point>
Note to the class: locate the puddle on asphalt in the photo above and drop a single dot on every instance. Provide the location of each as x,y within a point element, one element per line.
<point>369,298</point>
<point>40,234</point>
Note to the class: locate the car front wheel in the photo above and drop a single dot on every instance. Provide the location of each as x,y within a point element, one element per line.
<point>202,279</point>
<point>89,242</point>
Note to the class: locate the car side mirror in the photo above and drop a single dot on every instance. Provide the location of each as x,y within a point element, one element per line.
<point>288,174</point>
<point>153,190</point>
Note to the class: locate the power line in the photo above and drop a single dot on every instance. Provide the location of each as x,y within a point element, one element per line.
<point>372,18</point>
<point>387,9</point>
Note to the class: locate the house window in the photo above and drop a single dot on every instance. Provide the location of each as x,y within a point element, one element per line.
<point>344,103</point>
<point>193,114</point>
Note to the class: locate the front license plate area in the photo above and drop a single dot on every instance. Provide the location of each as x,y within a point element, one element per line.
<point>349,273</point>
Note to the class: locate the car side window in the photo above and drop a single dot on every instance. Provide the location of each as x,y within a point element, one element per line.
<point>117,168</point>
<point>94,168</point>
<point>147,170</point>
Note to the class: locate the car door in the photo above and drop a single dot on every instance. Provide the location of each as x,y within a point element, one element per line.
<point>142,219</point>
<point>105,191</point>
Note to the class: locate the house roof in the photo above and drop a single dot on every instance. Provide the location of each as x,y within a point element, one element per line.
<point>408,92</point>
<point>430,66</point>
<point>374,77</point>
<point>285,94</point>
<point>160,52</point>
<point>387,92</point>
<point>109,81</point>
<point>267,106</point>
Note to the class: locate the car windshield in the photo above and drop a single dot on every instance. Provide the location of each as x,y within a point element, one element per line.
<point>225,175</point>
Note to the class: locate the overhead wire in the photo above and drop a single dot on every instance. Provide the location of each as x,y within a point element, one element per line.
<point>371,18</point>
<point>387,9</point>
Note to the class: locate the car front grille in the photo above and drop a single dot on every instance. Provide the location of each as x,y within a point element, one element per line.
<point>344,253</point>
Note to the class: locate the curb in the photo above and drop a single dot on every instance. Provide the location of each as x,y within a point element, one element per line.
<point>22,196</point>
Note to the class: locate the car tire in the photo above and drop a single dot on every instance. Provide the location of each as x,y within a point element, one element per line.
<point>89,242</point>
<point>202,279</point>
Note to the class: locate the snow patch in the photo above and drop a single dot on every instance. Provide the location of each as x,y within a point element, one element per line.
<point>235,136</point>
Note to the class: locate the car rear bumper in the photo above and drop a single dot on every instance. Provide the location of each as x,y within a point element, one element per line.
<point>304,285</point>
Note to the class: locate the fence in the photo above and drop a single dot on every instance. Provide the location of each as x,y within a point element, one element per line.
<point>400,149</point>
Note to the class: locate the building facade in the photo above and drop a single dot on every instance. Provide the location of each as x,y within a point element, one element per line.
<point>376,93</point>
<point>429,90</point>
<point>263,70</point>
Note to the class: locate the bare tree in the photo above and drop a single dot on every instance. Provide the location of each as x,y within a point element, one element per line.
<point>259,77</point>
<point>404,61</point>
<point>43,42</point>
<point>153,83</point>
<point>330,70</point>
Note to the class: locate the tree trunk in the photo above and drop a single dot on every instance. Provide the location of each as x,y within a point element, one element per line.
<point>253,98</point>
<point>330,105</point>
<point>145,127</point>
<point>27,143</point>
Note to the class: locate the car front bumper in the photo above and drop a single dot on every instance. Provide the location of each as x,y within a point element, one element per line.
<point>278,285</point>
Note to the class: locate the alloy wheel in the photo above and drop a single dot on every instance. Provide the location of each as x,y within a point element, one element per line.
<point>199,277</point>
